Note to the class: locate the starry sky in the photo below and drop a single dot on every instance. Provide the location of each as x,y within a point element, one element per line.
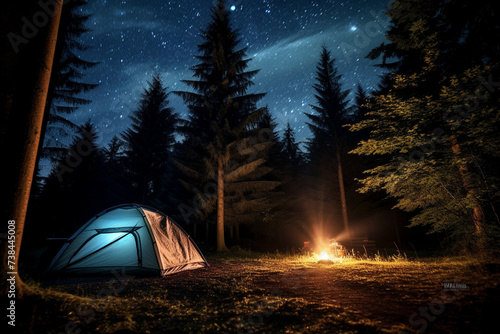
<point>134,39</point>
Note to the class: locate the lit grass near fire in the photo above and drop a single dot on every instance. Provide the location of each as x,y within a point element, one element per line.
<point>245,292</point>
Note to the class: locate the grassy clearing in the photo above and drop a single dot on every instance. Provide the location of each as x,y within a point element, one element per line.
<point>246,292</point>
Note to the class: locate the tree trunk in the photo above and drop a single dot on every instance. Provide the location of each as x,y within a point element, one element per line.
<point>343,201</point>
<point>221,245</point>
<point>478,218</point>
<point>24,177</point>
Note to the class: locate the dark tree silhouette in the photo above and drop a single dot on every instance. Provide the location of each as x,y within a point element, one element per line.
<point>255,200</point>
<point>290,147</point>
<point>119,187</point>
<point>361,101</point>
<point>66,82</point>
<point>149,143</point>
<point>114,153</point>
<point>293,191</point>
<point>435,115</point>
<point>76,188</point>
<point>331,113</point>
<point>221,115</point>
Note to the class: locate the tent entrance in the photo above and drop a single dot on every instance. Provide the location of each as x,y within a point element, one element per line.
<point>114,242</point>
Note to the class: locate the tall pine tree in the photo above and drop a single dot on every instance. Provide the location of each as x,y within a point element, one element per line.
<point>291,208</point>
<point>221,112</point>
<point>149,143</point>
<point>327,146</point>
<point>67,80</point>
<point>255,200</point>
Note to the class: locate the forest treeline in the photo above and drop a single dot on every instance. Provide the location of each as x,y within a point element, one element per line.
<point>420,150</point>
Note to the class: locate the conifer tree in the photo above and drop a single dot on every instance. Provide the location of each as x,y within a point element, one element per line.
<point>114,152</point>
<point>434,120</point>
<point>326,124</point>
<point>115,159</point>
<point>76,187</point>
<point>221,116</point>
<point>149,142</point>
<point>360,103</point>
<point>294,183</point>
<point>290,148</point>
<point>255,199</point>
<point>66,82</point>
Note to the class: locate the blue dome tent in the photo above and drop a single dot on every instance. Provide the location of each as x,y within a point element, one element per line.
<point>136,238</point>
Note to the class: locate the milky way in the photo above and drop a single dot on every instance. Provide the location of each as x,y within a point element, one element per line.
<point>133,40</point>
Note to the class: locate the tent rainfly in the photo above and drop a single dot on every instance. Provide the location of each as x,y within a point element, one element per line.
<point>136,238</point>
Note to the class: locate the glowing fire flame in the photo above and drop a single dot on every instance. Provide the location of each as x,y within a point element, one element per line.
<point>324,256</point>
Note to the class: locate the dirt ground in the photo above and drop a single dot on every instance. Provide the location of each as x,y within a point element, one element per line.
<point>361,296</point>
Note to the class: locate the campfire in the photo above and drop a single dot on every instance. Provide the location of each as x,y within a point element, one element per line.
<point>324,256</point>
<point>333,252</point>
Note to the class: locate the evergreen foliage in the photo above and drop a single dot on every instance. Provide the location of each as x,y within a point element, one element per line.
<point>427,137</point>
<point>222,142</point>
<point>66,82</point>
<point>290,148</point>
<point>331,111</point>
<point>329,142</point>
<point>434,125</point>
<point>149,143</point>
<point>75,189</point>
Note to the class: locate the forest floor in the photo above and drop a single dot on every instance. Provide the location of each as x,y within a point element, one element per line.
<point>254,293</point>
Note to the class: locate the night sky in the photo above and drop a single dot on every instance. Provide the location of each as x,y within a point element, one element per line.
<point>133,40</point>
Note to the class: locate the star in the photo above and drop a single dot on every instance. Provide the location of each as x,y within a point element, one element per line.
<point>284,42</point>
